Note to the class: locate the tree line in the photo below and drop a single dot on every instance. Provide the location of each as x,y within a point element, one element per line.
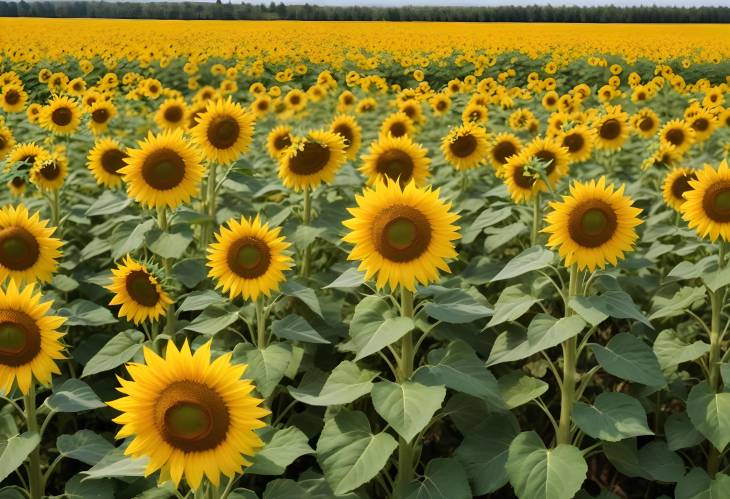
<point>307,12</point>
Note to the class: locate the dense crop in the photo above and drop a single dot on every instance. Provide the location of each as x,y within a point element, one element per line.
<point>288,260</point>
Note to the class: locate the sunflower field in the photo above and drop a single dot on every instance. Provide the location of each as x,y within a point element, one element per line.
<point>364,260</point>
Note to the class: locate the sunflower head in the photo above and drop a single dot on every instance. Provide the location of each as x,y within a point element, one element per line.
<point>401,235</point>
<point>105,160</point>
<point>578,140</point>
<point>49,171</point>
<point>645,123</point>
<point>398,159</point>
<point>397,125</point>
<point>707,203</point>
<point>592,226</point>
<point>466,146</point>
<point>278,140</point>
<point>311,160</point>
<point>100,115</point>
<point>676,184</point>
<point>347,127</point>
<point>678,135</point>
<point>191,417</point>
<point>138,291</point>
<point>7,141</point>
<point>61,116</point>
<point>171,113</point>
<point>13,98</point>
<point>611,129</point>
<point>224,131</point>
<point>502,147</point>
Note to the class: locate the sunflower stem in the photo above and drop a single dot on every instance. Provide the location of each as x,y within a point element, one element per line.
<point>567,389</point>
<point>163,223</point>
<point>536,218</point>
<point>55,208</point>
<point>716,301</point>
<point>212,204</point>
<point>405,370</point>
<point>307,219</point>
<point>260,323</point>
<point>35,478</point>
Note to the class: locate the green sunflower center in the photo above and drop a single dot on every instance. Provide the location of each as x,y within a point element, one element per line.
<point>310,159</point>
<point>188,420</point>
<point>12,337</point>
<point>396,165</point>
<point>592,223</point>
<point>163,169</point>
<point>19,249</point>
<point>141,288</point>
<point>716,202</point>
<point>401,233</point>
<point>249,257</point>
<point>223,132</point>
<point>20,338</point>
<point>464,146</point>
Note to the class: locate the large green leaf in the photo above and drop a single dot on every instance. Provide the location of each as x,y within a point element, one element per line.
<point>265,367</point>
<point>680,432</point>
<point>346,383</point>
<point>444,479</point>
<point>535,258</point>
<point>281,449</point>
<point>677,304</point>
<point>612,417</point>
<point>654,461</point>
<point>86,313</point>
<point>512,304</point>
<point>456,306</point>
<point>116,464</point>
<point>115,352</point>
<point>407,407</point>
<point>671,350</point>
<point>373,327</point>
<point>295,328</point>
<point>349,453</point>
<point>698,485</point>
<point>349,279</point>
<point>77,488</point>
<point>14,451</point>
<point>539,473</point>
<point>306,295</point>
<point>84,445</point>
<point>214,319</point>
<point>73,395</point>
<point>614,302</point>
<point>710,414</point>
<point>109,203</point>
<point>517,388</point>
<point>629,358</point>
<point>171,244</point>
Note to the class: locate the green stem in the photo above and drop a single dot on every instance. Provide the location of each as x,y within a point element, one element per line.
<point>55,208</point>
<point>716,299</point>
<point>405,370</point>
<point>163,223</point>
<point>35,478</point>
<point>260,324</point>
<point>212,199</point>
<point>567,392</point>
<point>536,219</point>
<point>307,219</point>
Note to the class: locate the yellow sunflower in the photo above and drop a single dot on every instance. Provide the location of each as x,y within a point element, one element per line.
<point>164,171</point>
<point>554,157</point>
<point>138,292</point>
<point>191,417</point>
<point>100,115</point>
<point>295,100</point>
<point>171,113</point>
<point>466,146</point>
<point>502,147</point>
<point>278,140</point>
<point>676,184</point>
<point>311,160</point>
<point>346,126</point>
<point>645,123</point>
<point>33,113</point>
<point>13,98</point>
<point>397,125</point>
<point>611,129</point>
<point>61,116</point>
<point>261,106</point>
<point>707,205</point>
<point>592,226</point>
<point>28,252</point>
<point>21,159</point>
<point>397,159</point>
<point>7,141</point>
<point>401,235</point>
<point>224,131</point>
<point>703,123</point>
<point>248,259</point>
<point>49,171</point>
<point>678,134</point>
<point>475,113</point>
<point>440,104</point>
<point>578,140</point>
<point>105,160</point>
<point>29,338</point>
<point>521,181</point>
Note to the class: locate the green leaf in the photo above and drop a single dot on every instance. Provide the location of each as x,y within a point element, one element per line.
<point>265,367</point>
<point>612,417</point>
<point>583,306</point>
<point>349,279</point>
<point>170,244</point>
<point>14,451</point>
<point>512,304</point>
<point>456,306</point>
<point>671,350</point>
<point>539,473</point>
<point>116,464</point>
<point>654,461</point>
<point>350,455</point>
<point>715,278</point>
<point>613,303</point>
<point>190,272</point>
<point>213,320</point>
<point>444,479</point>
<point>346,383</point>
<point>371,328</point>
<point>679,303</point>
<point>109,203</point>
<point>134,241</point>
<point>86,313</point>
<point>710,414</point>
<point>680,432</point>
<point>698,485</point>
<point>280,451</point>
<point>295,328</point>
<point>517,388</point>
<point>458,367</point>
<point>73,395</point>
<point>200,300</point>
<point>115,352</point>
<point>543,332</point>
<point>76,488</point>
<point>84,445</point>
<point>304,294</point>
<point>407,407</point>
<point>535,258</point>
<point>629,358</point>
<point>484,451</point>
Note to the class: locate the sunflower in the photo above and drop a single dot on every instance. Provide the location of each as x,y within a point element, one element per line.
<point>611,129</point>
<point>13,98</point>
<point>171,113</point>
<point>278,140</point>
<point>346,126</point>
<point>366,105</point>
<point>164,171</point>
<point>401,235</point>
<point>138,292</point>
<point>29,338</point>
<point>554,157</point>
<point>676,183</point>
<point>465,147</point>
<point>502,147</point>
<point>105,160</point>
<point>295,100</point>
<point>475,113</point>
<point>594,225</point>
<point>61,116</point>
<point>522,183</point>
<point>7,141</point>
<point>397,125</point>
<point>261,106</point>
<point>703,123</point>
<point>194,112</point>
<point>678,134</point>
<point>100,114</point>
<point>76,87</point>
<point>224,131</point>
<point>49,171</point>
<point>440,104</point>
<point>312,160</point>
<point>191,417</point>
<point>707,205</point>
<point>397,159</point>
<point>248,259</point>
<point>645,122</point>
<point>33,113</point>
<point>413,110</point>
<point>28,252</point>
<point>578,140</point>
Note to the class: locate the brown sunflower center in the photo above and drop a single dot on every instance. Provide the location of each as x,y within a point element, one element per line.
<point>675,136</point>
<point>409,111</point>
<point>194,118</point>
<point>249,257</point>
<point>50,170</point>
<point>173,114</point>
<point>646,124</point>
<point>398,129</point>
<point>112,160</point>
<point>610,129</point>
<point>12,97</point>
<point>700,124</point>
<point>574,142</point>
<point>2,142</point>
<point>463,146</point>
<point>141,288</point>
<point>396,165</point>
<point>20,338</point>
<point>681,185</point>
<point>61,116</point>
<point>282,141</point>
<point>592,223</point>
<point>522,180</point>
<point>548,158</point>
<point>262,105</point>
<point>503,150</point>
<point>18,182</point>
<point>164,169</point>
<point>441,105</point>
<point>401,233</point>
<point>223,132</point>
<point>100,115</point>
<point>716,202</point>
<point>310,159</point>
<point>19,249</point>
<point>346,132</point>
<point>192,416</point>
